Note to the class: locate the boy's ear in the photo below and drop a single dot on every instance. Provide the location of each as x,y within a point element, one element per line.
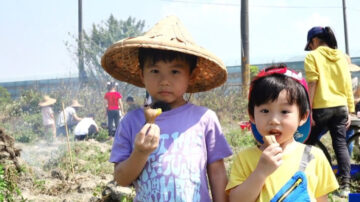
<point>142,76</point>
<point>252,120</point>
<point>304,119</point>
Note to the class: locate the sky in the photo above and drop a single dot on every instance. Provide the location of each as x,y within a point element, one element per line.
<point>33,33</point>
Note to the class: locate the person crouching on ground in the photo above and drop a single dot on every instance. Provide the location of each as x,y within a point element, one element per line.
<point>86,128</point>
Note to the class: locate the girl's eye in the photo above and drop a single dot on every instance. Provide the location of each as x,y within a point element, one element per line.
<point>264,111</point>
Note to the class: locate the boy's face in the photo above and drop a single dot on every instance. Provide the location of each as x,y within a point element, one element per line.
<point>167,81</point>
<point>278,118</point>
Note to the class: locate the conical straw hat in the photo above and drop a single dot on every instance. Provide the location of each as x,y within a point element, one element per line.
<point>121,59</point>
<point>47,101</point>
<point>75,103</point>
<point>354,67</point>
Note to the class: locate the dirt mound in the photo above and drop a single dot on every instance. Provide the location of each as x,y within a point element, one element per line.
<point>8,153</point>
<point>49,177</point>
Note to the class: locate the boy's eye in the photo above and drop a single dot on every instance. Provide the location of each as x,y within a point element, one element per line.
<point>175,71</point>
<point>264,111</point>
<point>154,71</point>
<point>285,111</point>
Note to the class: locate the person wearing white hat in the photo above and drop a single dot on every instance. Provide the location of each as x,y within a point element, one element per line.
<point>47,114</point>
<point>188,157</point>
<point>70,116</point>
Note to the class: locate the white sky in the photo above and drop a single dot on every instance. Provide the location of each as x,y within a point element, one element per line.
<point>33,33</point>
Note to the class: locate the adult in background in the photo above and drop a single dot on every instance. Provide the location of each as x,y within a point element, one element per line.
<point>114,106</point>
<point>86,128</point>
<point>331,96</point>
<point>71,118</point>
<point>47,114</point>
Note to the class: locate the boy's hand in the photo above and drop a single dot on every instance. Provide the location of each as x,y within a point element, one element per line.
<point>147,140</point>
<point>270,159</point>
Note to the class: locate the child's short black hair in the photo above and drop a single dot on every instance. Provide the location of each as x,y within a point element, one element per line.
<point>267,89</point>
<point>129,99</point>
<point>155,55</point>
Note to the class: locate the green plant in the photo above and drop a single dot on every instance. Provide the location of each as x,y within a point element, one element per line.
<point>102,136</point>
<point>239,138</point>
<point>9,190</point>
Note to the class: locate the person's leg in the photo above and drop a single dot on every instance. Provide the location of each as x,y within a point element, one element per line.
<point>320,117</point>
<point>92,131</point>
<point>116,118</point>
<point>110,121</point>
<point>337,127</point>
<point>61,131</point>
<point>80,137</point>
<point>53,130</point>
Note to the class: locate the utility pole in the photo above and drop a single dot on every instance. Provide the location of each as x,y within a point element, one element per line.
<point>345,28</point>
<point>245,67</point>
<point>82,73</point>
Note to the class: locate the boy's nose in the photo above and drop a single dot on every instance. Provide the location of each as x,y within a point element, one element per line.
<point>164,80</point>
<point>274,120</point>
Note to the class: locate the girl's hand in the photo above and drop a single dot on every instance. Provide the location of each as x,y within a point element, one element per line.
<point>147,140</point>
<point>270,159</point>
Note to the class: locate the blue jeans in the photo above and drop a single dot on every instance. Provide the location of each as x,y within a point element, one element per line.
<point>113,119</point>
<point>334,119</point>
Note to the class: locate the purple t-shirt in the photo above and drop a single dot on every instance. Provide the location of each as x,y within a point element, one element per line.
<point>190,139</point>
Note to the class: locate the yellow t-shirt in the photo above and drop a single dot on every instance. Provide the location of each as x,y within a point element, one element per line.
<point>321,178</point>
<point>329,68</point>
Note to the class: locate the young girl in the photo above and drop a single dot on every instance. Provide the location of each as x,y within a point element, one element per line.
<point>172,159</point>
<point>331,96</point>
<point>285,170</point>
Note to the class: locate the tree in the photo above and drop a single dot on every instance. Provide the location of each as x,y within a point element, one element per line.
<point>99,39</point>
<point>5,97</point>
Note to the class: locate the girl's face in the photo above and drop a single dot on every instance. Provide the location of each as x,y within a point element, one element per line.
<point>278,118</point>
<point>314,44</point>
<point>167,81</point>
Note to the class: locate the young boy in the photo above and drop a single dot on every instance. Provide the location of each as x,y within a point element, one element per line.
<point>172,159</point>
<point>287,169</point>
<point>131,103</point>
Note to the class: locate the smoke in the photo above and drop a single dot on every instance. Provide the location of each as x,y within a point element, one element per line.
<point>42,153</point>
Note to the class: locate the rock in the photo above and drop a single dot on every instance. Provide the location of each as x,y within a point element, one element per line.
<point>86,186</point>
<point>57,174</point>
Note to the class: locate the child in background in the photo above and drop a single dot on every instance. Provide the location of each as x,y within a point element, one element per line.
<point>173,159</point>
<point>48,114</point>
<point>287,169</point>
<point>131,103</point>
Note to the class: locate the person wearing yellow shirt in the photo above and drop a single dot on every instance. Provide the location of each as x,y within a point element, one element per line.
<point>283,169</point>
<point>331,96</point>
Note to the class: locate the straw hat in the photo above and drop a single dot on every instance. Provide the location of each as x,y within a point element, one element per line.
<point>47,101</point>
<point>121,59</point>
<point>354,68</point>
<point>75,103</point>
